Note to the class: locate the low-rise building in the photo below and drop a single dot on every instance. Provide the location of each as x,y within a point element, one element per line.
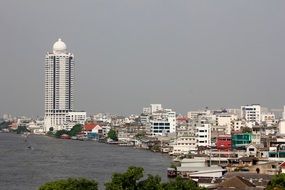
<point>224,142</point>
<point>185,145</point>
<point>241,140</point>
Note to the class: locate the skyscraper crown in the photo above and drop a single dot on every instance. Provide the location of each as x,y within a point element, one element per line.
<point>59,47</point>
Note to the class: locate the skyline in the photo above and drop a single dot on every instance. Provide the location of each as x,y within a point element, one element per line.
<point>185,55</point>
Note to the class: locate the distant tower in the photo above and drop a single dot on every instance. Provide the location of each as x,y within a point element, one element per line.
<point>59,84</point>
<point>281,125</point>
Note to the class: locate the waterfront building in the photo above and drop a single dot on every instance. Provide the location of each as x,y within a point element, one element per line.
<point>184,145</point>
<point>74,117</point>
<point>36,126</point>
<point>59,87</point>
<point>185,141</point>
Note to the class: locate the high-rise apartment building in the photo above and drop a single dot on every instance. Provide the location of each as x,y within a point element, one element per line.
<point>251,113</point>
<point>59,83</point>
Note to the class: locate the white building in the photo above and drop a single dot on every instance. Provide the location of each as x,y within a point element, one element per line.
<point>59,83</point>
<point>144,119</point>
<point>163,122</point>
<point>159,127</point>
<point>147,110</point>
<point>268,118</point>
<point>238,124</point>
<point>281,125</point>
<point>73,118</point>
<point>251,113</point>
<point>195,114</point>
<point>160,121</point>
<point>226,119</point>
<point>155,108</point>
<point>185,145</point>
<point>102,117</point>
<point>203,133</point>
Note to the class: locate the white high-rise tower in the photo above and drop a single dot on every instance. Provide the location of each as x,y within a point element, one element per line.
<point>282,124</point>
<point>59,84</point>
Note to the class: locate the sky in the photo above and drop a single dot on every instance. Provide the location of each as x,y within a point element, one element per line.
<point>183,54</point>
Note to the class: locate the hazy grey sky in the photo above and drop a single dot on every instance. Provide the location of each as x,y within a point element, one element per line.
<point>130,53</point>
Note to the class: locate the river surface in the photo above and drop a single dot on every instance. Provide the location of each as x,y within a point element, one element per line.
<point>49,159</point>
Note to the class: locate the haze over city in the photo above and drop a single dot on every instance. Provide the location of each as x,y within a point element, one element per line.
<point>128,54</point>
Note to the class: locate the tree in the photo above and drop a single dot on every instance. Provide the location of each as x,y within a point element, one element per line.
<point>50,129</point>
<point>71,184</point>
<point>21,129</point>
<point>151,183</point>
<point>125,181</point>
<point>76,129</point>
<point>132,180</point>
<point>60,132</point>
<point>112,135</point>
<point>49,133</point>
<point>277,182</point>
<point>181,184</point>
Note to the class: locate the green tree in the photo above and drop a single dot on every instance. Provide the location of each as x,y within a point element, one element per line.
<point>50,129</point>
<point>71,184</point>
<point>277,182</point>
<point>151,183</point>
<point>60,132</point>
<point>125,181</point>
<point>112,135</point>
<point>49,133</point>
<point>21,129</point>
<point>132,180</point>
<point>76,129</point>
<point>181,184</point>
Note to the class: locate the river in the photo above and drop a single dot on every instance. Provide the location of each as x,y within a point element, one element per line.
<point>48,159</point>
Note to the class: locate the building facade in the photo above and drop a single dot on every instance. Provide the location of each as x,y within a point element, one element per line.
<point>59,84</point>
<point>224,142</point>
<point>251,113</point>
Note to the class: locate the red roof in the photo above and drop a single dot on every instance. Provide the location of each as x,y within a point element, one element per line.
<point>282,165</point>
<point>89,126</point>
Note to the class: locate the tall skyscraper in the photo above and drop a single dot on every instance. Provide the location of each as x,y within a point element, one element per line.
<point>59,84</point>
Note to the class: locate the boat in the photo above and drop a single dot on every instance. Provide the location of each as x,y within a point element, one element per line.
<point>171,172</point>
